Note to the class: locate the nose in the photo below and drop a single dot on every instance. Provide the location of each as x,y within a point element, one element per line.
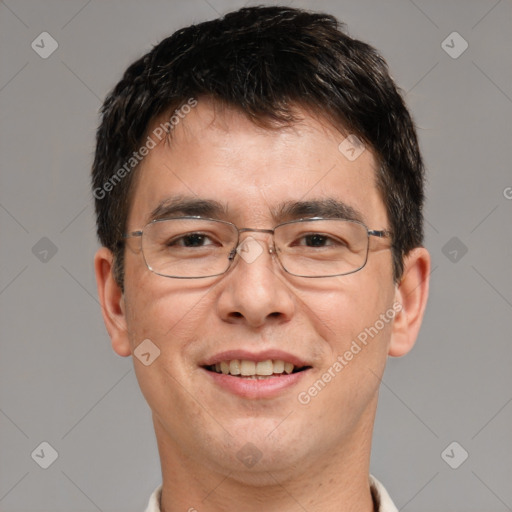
<point>255,292</point>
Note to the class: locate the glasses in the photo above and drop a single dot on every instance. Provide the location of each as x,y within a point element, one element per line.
<point>197,247</point>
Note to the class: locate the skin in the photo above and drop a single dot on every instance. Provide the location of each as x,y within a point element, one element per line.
<point>314,456</point>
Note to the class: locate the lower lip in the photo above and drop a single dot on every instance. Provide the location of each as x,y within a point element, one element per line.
<point>256,388</point>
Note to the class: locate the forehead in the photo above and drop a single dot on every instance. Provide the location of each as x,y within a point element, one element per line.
<point>219,155</point>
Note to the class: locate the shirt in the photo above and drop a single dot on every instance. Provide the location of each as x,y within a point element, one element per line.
<point>380,495</point>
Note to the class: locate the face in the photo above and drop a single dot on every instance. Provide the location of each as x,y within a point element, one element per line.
<point>256,311</point>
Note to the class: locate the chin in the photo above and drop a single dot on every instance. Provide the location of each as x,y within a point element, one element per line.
<point>256,448</point>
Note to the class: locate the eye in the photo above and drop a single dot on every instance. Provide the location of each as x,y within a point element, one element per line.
<point>190,240</point>
<point>319,240</point>
<point>316,240</point>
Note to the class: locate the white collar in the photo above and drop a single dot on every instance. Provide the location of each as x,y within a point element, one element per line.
<point>385,503</point>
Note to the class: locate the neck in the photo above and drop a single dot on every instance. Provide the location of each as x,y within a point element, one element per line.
<point>336,481</point>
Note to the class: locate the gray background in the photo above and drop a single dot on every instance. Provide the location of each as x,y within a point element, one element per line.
<point>60,382</point>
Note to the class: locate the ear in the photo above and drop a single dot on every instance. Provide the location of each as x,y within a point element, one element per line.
<point>412,294</point>
<point>112,302</point>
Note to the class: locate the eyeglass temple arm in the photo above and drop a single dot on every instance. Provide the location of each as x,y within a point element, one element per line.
<point>132,234</point>
<point>379,234</point>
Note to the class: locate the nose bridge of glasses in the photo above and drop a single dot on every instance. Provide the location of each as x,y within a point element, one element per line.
<point>255,230</point>
<point>243,241</point>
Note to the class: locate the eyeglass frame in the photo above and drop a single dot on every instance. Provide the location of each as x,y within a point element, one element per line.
<point>384,233</point>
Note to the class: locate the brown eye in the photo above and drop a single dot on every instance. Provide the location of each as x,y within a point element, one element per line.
<point>190,240</point>
<point>316,240</point>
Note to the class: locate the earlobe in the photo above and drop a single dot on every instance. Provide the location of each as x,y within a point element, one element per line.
<point>112,302</point>
<point>412,294</point>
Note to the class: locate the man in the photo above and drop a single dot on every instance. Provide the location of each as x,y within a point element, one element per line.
<point>259,194</point>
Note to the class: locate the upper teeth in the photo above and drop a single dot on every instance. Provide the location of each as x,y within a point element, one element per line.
<point>248,368</point>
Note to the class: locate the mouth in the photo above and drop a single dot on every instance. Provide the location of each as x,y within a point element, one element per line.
<point>264,375</point>
<point>255,370</point>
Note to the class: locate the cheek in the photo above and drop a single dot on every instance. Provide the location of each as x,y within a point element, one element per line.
<point>356,350</point>
<point>360,334</point>
<point>171,319</point>
<point>176,315</point>
<point>344,309</point>
<point>160,308</point>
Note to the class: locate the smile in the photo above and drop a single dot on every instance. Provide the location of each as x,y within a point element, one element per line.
<point>255,370</point>
<point>255,376</point>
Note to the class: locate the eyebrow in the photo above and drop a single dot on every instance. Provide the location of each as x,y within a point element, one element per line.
<point>289,210</point>
<point>329,208</point>
<point>179,205</point>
